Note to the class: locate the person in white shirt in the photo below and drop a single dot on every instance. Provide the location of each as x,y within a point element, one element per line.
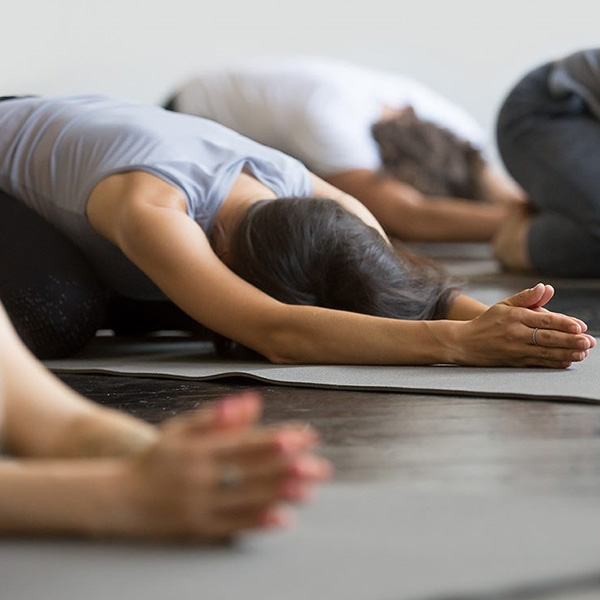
<point>77,468</point>
<point>411,156</point>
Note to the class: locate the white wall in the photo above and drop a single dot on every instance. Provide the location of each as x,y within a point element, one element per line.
<point>471,50</point>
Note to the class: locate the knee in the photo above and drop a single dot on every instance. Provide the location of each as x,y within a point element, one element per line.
<point>56,320</point>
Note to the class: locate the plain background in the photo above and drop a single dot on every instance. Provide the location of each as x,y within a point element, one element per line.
<point>470,50</point>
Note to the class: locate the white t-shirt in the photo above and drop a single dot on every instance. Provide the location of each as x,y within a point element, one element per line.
<point>318,110</point>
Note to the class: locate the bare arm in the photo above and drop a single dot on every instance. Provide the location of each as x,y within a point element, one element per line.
<point>498,188</point>
<point>45,418</point>
<point>157,235</point>
<point>411,216</point>
<point>163,485</point>
<point>58,497</point>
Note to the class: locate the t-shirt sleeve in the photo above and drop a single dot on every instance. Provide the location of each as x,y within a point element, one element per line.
<point>286,176</point>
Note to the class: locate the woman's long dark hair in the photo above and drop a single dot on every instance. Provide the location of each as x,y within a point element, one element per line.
<point>312,251</point>
<point>430,158</point>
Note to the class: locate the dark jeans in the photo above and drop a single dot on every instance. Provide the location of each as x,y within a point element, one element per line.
<point>52,295</point>
<point>552,148</point>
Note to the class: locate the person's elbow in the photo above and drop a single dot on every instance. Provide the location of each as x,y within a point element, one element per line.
<point>281,348</point>
<point>406,220</point>
<point>284,341</point>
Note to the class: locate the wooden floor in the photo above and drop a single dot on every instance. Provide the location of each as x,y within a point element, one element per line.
<point>427,442</point>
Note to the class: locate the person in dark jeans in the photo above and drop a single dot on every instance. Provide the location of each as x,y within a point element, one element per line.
<point>549,138</point>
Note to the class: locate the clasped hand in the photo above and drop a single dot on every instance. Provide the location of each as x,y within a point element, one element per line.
<point>520,332</point>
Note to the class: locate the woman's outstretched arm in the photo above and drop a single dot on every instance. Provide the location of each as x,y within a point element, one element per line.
<point>410,215</point>
<point>500,188</point>
<point>124,478</point>
<point>157,235</point>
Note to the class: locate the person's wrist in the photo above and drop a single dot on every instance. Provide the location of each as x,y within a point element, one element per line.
<point>446,336</point>
<point>112,509</point>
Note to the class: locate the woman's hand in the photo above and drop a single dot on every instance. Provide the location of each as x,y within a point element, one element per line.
<point>519,332</point>
<point>215,474</point>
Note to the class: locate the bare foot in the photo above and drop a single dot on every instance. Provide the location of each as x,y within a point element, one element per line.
<point>510,243</point>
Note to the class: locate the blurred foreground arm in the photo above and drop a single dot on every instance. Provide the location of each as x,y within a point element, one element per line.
<point>409,215</point>
<point>205,476</point>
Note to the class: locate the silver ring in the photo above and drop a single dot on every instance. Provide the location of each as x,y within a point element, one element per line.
<point>534,336</point>
<point>231,477</point>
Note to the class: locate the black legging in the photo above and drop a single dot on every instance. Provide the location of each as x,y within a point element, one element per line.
<point>52,295</point>
<point>53,298</point>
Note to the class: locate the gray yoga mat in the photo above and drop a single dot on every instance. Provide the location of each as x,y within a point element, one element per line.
<point>371,542</point>
<point>189,360</point>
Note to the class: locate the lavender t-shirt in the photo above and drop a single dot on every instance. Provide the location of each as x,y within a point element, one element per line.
<point>54,151</point>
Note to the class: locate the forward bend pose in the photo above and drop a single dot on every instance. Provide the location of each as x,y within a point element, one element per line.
<point>111,198</point>
<point>412,157</point>
<point>549,138</point>
<point>81,469</point>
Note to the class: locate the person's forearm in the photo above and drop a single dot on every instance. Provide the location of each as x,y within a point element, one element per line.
<point>450,220</point>
<point>62,497</point>
<point>83,431</point>
<point>496,187</point>
<point>104,433</point>
<point>409,215</point>
<point>313,335</point>
<point>45,418</point>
